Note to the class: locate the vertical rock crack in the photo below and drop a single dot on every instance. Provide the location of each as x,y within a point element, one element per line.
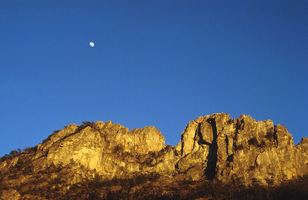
<point>210,170</point>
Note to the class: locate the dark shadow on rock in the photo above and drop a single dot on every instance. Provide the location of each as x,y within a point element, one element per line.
<point>210,170</point>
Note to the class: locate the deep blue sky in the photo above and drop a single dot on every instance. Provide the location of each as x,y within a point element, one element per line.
<point>155,63</point>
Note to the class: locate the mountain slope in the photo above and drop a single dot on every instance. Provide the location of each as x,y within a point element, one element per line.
<point>102,159</point>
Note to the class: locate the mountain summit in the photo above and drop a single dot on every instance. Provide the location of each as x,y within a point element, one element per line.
<point>98,160</point>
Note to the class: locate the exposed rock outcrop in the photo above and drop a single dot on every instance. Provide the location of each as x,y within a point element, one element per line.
<point>242,150</point>
<point>212,147</point>
<point>109,148</point>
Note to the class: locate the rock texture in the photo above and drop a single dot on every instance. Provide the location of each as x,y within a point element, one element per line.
<point>242,150</point>
<point>213,147</point>
<point>108,149</point>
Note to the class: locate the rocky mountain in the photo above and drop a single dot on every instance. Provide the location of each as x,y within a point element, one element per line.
<point>98,160</point>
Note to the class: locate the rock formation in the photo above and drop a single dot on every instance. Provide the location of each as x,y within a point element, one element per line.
<point>242,150</point>
<point>213,147</point>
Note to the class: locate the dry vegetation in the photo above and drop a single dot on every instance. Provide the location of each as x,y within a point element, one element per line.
<point>51,184</point>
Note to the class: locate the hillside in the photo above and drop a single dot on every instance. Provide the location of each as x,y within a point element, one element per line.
<point>217,158</point>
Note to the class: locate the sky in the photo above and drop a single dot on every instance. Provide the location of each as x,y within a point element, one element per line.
<point>157,63</point>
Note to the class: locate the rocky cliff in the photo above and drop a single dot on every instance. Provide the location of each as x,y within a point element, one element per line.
<point>214,147</point>
<point>241,149</point>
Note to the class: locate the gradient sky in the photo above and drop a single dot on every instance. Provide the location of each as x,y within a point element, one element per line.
<point>155,63</point>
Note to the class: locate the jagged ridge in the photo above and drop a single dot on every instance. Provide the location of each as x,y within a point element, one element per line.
<point>213,147</point>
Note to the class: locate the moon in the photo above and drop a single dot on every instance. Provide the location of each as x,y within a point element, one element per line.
<point>91,44</point>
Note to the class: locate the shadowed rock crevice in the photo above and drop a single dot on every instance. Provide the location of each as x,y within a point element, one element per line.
<point>227,145</point>
<point>210,170</point>
<point>275,136</point>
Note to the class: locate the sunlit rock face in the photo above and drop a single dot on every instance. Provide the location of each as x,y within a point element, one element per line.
<point>241,150</point>
<point>101,147</point>
<point>212,147</point>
